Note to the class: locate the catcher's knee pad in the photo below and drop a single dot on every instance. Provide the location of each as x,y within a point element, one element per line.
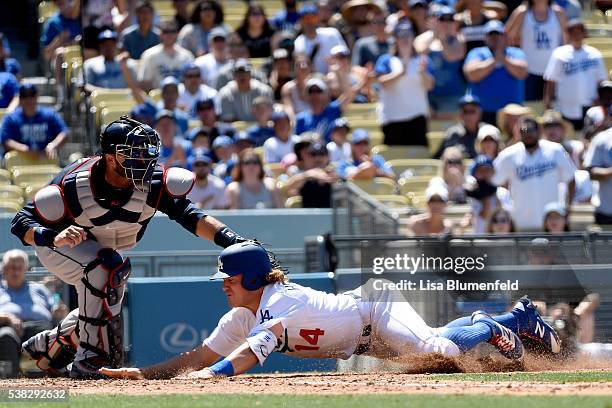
<point>54,349</point>
<point>118,270</point>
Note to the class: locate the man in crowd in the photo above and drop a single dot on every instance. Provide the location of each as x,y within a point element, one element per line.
<point>598,161</point>
<point>363,165</point>
<point>368,49</point>
<point>143,35</point>
<point>163,60</point>
<point>277,147</point>
<point>208,192</point>
<point>236,98</point>
<point>62,28</point>
<point>206,113</point>
<point>464,133</point>
<point>496,72</point>
<point>26,308</point>
<point>286,19</point>
<point>262,111</point>
<point>532,170</point>
<point>211,62</point>
<point>192,89</point>
<point>104,71</point>
<point>31,128</point>
<point>573,74</point>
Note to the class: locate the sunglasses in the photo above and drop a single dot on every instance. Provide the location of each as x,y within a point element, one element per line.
<point>256,14</point>
<point>251,162</point>
<point>528,130</point>
<point>447,19</point>
<point>469,111</point>
<point>436,200</point>
<point>315,91</point>
<point>200,164</point>
<point>192,76</point>
<point>501,221</point>
<point>453,162</point>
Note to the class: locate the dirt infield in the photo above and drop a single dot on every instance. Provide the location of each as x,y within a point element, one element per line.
<point>336,383</point>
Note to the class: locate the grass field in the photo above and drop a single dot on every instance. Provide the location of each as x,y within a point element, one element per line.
<point>335,401</point>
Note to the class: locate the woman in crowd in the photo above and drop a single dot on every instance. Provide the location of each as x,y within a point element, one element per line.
<point>500,222</point>
<point>488,142</point>
<point>405,78</point>
<point>294,92</point>
<point>250,188</point>
<point>255,32</point>
<point>538,27</point>
<point>207,14</point>
<point>342,75</point>
<point>555,219</point>
<point>453,175</point>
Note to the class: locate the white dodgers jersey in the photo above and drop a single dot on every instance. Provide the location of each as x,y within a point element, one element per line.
<point>316,324</point>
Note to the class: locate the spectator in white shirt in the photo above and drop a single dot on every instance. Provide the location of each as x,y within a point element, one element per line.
<point>316,42</point>
<point>208,192</point>
<point>532,169</point>
<point>573,74</point>
<point>339,148</point>
<point>555,219</point>
<point>277,147</point>
<point>165,59</point>
<point>192,89</point>
<point>211,62</point>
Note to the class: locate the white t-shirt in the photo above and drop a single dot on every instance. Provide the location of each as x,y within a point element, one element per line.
<point>407,97</point>
<point>156,64</point>
<point>339,153</point>
<point>317,324</point>
<point>327,38</point>
<point>210,197</point>
<point>209,67</point>
<point>577,74</point>
<point>186,101</point>
<point>594,116</point>
<point>539,39</point>
<point>502,199</point>
<point>533,179</point>
<point>275,149</point>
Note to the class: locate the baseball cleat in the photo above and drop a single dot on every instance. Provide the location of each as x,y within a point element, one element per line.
<point>88,369</point>
<point>532,326</point>
<point>504,339</point>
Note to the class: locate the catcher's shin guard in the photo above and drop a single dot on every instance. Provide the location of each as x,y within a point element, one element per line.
<point>100,315</point>
<point>54,349</point>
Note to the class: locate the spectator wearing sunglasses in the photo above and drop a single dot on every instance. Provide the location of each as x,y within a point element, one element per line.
<point>500,222</point>
<point>453,174</point>
<point>255,32</point>
<point>208,192</point>
<point>464,133</point>
<point>192,89</point>
<point>363,165</point>
<point>251,189</point>
<point>534,165</point>
<point>207,15</point>
<point>432,221</point>
<point>368,49</point>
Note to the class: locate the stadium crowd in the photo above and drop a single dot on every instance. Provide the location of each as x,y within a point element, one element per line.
<point>478,64</point>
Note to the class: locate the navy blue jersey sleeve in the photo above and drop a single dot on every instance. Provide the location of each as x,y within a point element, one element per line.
<point>27,217</point>
<point>181,210</point>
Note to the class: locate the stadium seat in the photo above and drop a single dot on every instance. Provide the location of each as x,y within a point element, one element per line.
<point>241,125</point>
<point>393,201</point>
<point>101,97</point>
<point>361,110</point>
<point>5,177</point>
<point>10,207</point>
<point>416,167</point>
<point>11,193</point>
<point>294,202</point>
<point>437,125</point>
<point>16,159</point>
<point>434,139</point>
<point>377,186</point>
<point>155,95</point>
<point>110,114</point>
<point>416,185</point>
<point>194,123</point>
<point>260,152</point>
<point>37,176</point>
<point>401,152</point>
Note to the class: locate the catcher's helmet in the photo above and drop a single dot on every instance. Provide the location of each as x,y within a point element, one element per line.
<point>246,258</point>
<point>139,146</point>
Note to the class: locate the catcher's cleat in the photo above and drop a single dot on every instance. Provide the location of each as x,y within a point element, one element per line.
<point>532,326</point>
<point>52,368</point>
<point>87,369</point>
<point>504,339</point>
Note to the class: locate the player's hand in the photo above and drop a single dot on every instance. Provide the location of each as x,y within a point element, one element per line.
<point>125,373</point>
<point>204,373</point>
<point>71,236</point>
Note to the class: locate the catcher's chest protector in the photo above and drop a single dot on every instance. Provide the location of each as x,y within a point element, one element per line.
<point>119,227</point>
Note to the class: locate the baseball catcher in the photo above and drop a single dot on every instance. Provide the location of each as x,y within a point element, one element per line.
<point>269,314</point>
<point>79,224</point>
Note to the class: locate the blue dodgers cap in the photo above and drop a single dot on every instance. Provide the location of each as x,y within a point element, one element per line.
<point>28,89</point>
<point>165,113</point>
<point>469,100</point>
<point>279,115</point>
<point>222,141</point>
<point>107,35</point>
<point>494,26</point>
<point>340,123</point>
<point>144,113</point>
<point>444,11</point>
<point>415,3</point>
<point>481,161</point>
<point>188,67</point>
<point>360,135</point>
<point>169,80</point>
<point>403,29</point>
<point>201,156</point>
<point>308,9</point>
<point>243,136</point>
<point>204,130</point>
<point>246,258</point>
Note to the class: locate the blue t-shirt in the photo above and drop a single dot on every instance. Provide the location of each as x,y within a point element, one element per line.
<point>284,20</point>
<point>57,24</point>
<point>135,43</point>
<point>499,88</point>
<point>35,131</point>
<point>11,65</point>
<point>182,119</point>
<point>449,81</point>
<point>307,121</point>
<point>31,302</point>
<point>346,167</point>
<point>9,86</point>
<point>259,134</point>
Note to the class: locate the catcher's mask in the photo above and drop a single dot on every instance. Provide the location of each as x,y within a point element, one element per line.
<point>136,147</point>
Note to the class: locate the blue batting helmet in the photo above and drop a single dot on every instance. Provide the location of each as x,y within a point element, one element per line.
<point>248,259</point>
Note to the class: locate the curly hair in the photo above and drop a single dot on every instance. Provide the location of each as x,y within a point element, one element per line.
<point>277,275</point>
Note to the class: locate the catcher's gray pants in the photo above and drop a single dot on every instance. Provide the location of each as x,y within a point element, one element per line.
<point>90,306</point>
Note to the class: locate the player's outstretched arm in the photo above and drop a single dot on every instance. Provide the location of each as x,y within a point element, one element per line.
<point>240,361</point>
<point>195,359</point>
